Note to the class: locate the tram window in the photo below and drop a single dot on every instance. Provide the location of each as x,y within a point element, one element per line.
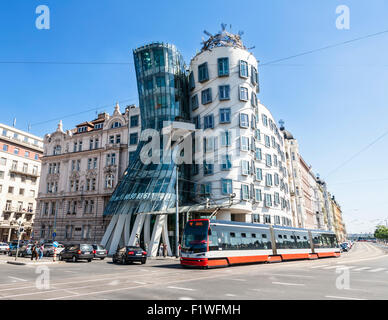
<point>253,235</point>
<point>292,237</point>
<point>285,237</point>
<point>280,236</point>
<point>232,234</point>
<point>305,237</point>
<point>244,235</point>
<point>299,237</point>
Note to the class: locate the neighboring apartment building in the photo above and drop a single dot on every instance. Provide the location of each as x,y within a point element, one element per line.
<point>80,169</point>
<point>339,225</point>
<point>309,194</point>
<point>20,167</point>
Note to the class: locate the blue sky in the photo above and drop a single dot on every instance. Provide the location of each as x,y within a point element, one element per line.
<point>333,101</point>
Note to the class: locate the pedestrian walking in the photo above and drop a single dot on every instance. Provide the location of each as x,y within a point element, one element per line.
<point>41,248</point>
<point>165,250</point>
<point>161,250</point>
<point>33,249</point>
<point>36,251</point>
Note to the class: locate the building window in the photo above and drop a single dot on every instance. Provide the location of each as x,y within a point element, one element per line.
<point>244,192</point>
<point>133,138</point>
<point>244,94</point>
<point>191,81</point>
<point>259,174</point>
<point>208,144</point>
<point>197,122</point>
<point>203,73</point>
<point>225,139</point>
<point>244,143</point>
<point>244,167</point>
<point>5,147</point>
<point>194,102</point>
<point>208,168</point>
<point>223,92</point>
<point>226,186</point>
<point>206,189</point>
<point>225,115</point>
<point>98,125</point>
<point>253,99</point>
<point>255,218</point>
<point>223,67</point>
<point>254,75</point>
<point>258,195</point>
<point>258,154</point>
<point>268,160</point>
<point>134,121</point>
<point>116,124</point>
<point>160,81</point>
<point>267,218</point>
<point>265,120</point>
<point>268,180</point>
<point>109,181</point>
<point>244,120</point>
<point>16,151</point>
<point>206,96</point>
<point>268,201</point>
<point>118,138</point>
<point>226,163</point>
<point>267,141</point>
<point>243,69</point>
<point>209,122</point>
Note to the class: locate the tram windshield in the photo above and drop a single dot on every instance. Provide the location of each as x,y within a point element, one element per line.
<point>195,236</point>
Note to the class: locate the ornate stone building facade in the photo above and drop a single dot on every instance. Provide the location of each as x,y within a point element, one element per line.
<point>80,169</point>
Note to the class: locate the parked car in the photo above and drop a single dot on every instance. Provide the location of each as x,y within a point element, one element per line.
<point>50,250</point>
<point>99,251</point>
<point>129,254</point>
<point>75,252</point>
<point>22,252</point>
<point>4,247</point>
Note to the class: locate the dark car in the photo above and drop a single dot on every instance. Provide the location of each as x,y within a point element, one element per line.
<point>344,247</point>
<point>99,251</point>
<point>129,254</point>
<point>75,252</point>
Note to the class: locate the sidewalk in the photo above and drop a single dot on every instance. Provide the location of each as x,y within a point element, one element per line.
<point>26,260</point>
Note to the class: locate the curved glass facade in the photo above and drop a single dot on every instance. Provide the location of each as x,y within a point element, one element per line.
<point>162,87</point>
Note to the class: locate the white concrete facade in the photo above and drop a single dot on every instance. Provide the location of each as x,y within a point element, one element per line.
<point>254,145</point>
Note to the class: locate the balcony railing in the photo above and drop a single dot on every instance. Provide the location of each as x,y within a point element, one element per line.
<point>24,172</point>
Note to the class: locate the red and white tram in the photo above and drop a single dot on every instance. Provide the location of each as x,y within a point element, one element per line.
<point>214,243</point>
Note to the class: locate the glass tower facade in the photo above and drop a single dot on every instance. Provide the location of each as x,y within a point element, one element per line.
<point>162,87</point>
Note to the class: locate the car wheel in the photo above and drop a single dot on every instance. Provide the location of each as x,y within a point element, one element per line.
<point>122,260</point>
<point>74,259</point>
<point>143,261</point>
<point>89,260</point>
<point>10,254</point>
<point>60,258</point>
<point>102,258</point>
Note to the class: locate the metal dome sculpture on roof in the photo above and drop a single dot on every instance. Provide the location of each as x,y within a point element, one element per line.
<point>222,39</point>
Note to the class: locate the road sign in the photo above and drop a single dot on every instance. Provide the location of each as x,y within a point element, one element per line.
<point>55,244</point>
<point>54,234</point>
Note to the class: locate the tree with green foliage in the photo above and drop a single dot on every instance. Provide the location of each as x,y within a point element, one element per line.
<point>381,232</point>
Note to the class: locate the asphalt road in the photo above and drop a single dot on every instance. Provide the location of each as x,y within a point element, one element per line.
<point>361,273</point>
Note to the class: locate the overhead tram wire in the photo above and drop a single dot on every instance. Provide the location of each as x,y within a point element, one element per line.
<point>324,48</point>
<point>81,112</point>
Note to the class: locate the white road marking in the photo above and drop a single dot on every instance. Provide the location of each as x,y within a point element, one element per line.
<point>185,298</point>
<point>290,275</point>
<point>238,279</point>
<point>180,288</point>
<point>361,269</point>
<point>346,298</point>
<point>315,267</point>
<point>288,284</point>
<point>139,282</point>
<point>17,278</point>
<point>333,267</point>
<point>376,270</point>
<point>230,295</point>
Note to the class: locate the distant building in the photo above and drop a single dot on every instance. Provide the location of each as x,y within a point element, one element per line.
<point>339,225</point>
<point>20,167</point>
<point>80,169</point>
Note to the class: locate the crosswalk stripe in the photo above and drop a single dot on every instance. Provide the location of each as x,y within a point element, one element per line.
<point>324,265</point>
<point>361,269</point>
<point>376,270</point>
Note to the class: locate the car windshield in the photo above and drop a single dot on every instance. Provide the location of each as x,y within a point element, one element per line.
<point>98,247</point>
<point>133,248</point>
<point>86,247</point>
<point>195,236</point>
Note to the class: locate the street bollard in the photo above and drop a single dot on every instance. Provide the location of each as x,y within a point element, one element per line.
<point>55,254</point>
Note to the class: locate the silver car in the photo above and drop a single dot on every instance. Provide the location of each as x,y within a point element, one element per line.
<point>4,247</point>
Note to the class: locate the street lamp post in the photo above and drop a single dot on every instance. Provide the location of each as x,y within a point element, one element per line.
<point>20,231</point>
